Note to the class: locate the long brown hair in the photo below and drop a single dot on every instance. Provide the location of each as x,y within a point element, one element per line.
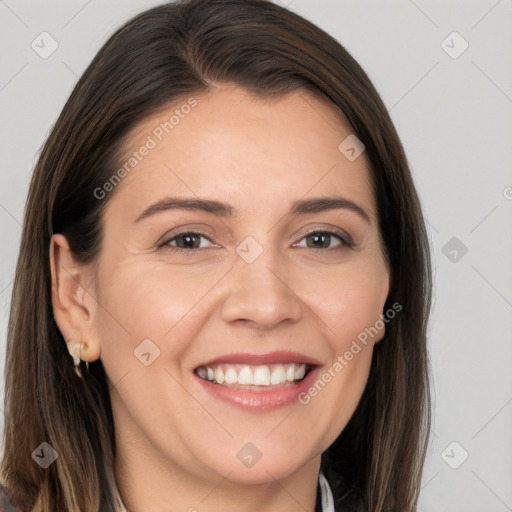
<point>165,54</point>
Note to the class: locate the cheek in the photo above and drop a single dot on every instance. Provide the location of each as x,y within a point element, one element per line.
<point>350,302</point>
<point>349,305</point>
<point>140,302</point>
<point>336,392</point>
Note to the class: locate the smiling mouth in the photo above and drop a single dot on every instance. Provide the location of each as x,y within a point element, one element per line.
<point>254,377</point>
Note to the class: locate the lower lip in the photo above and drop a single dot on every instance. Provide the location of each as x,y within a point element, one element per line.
<point>260,400</point>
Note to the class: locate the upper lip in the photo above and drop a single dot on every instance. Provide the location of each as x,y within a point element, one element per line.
<point>280,356</point>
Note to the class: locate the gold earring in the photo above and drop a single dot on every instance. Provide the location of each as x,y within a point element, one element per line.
<point>75,350</point>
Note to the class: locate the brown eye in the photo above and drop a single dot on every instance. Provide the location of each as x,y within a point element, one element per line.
<point>186,242</point>
<point>325,240</point>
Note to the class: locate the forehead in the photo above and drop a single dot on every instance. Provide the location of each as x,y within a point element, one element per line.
<point>231,143</point>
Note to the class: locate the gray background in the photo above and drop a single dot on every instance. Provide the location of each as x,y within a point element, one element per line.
<point>453,112</point>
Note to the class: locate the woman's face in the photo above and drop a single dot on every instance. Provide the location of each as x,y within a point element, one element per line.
<point>235,279</point>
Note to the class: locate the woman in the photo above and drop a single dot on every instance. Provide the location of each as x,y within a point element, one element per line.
<point>223,286</point>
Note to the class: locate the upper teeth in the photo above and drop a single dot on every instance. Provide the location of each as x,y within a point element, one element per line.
<point>262,375</point>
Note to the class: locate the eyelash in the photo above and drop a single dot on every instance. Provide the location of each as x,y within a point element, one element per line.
<point>346,242</point>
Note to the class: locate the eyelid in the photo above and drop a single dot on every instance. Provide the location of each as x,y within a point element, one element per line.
<point>334,230</point>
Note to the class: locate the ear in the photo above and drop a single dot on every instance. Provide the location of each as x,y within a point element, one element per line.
<point>74,304</point>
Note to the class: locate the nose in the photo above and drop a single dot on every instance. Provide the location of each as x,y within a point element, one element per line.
<point>261,293</point>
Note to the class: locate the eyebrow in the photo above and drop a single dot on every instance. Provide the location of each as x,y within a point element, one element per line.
<point>300,207</point>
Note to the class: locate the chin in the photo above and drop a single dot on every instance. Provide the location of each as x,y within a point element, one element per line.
<point>250,467</point>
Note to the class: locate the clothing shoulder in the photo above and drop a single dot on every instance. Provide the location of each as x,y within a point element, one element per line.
<point>7,501</point>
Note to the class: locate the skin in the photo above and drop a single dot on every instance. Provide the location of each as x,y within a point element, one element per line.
<point>177,446</point>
